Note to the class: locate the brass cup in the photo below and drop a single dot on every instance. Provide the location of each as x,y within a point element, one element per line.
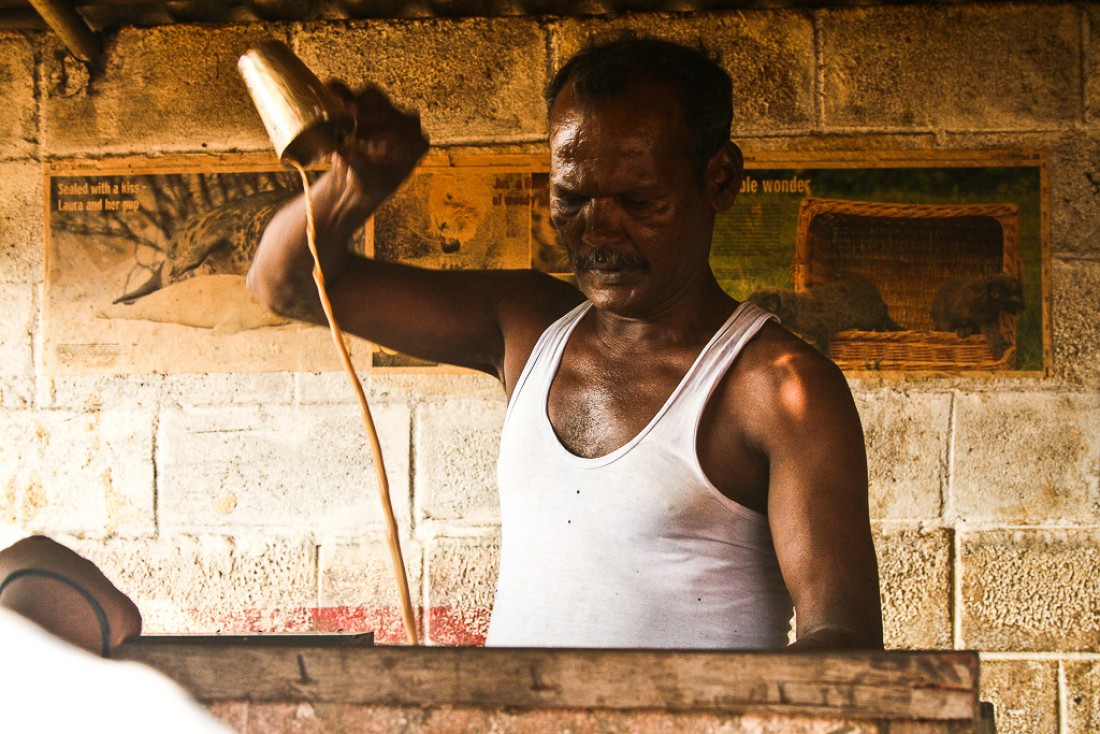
<point>304,120</point>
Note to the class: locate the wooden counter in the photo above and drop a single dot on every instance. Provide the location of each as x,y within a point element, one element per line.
<point>279,685</point>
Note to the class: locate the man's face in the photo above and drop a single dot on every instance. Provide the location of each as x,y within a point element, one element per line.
<point>627,200</point>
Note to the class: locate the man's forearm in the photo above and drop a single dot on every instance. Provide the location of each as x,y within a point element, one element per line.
<point>281,271</point>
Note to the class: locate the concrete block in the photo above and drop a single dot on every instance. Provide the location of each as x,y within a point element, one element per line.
<point>906,436</point>
<point>21,215</point>
<point>81,473</point>
<point>18,114</point>
<point>915,573</point>
<point>472,79</point>
<point>1076,314</point>
<point>207,584</point>
<point>769,55</point>
<point>1074,165</point>
<point>94,392</point>
<point>456,445</point>
<point>170,88</point>
<point>333,387</point>
<point>946,66</point>
<point>838,142</point>
<point>16,393</point>
<point>358,588</point>
<point>1027,456</point>
<point>461,584</point>
<point>1082,697</point>
<point>17,303</point>
<point>300,469</point>
<point>229,389</point>
<point>1024,694</point>
<point>1031,590</point>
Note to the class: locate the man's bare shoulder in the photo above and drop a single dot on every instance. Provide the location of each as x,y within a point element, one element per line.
<point>781,377</point>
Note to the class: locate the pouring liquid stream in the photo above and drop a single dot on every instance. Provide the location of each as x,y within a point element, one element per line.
<point>368,422</point>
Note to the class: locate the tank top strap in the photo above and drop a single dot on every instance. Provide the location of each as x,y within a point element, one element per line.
<point>716,358</point>
<point>546,354</point>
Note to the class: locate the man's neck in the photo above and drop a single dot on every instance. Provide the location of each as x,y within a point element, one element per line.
<point>687,321</point>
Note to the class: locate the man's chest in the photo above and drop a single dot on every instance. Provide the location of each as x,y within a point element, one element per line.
<point>595,411</point>
<point>598,407</point>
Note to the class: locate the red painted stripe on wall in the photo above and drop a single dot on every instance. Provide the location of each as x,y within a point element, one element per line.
<point>446,625</point>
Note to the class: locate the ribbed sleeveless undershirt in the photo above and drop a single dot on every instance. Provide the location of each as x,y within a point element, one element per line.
<point>635,548</point>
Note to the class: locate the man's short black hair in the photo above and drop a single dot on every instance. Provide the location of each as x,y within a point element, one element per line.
<point>603,71</point>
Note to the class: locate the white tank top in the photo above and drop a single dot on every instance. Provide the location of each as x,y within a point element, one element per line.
<point>635,548</point>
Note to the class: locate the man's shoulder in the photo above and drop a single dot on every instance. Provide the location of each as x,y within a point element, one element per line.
<point>778,371</point>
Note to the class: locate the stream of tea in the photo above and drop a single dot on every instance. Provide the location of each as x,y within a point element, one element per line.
<point>368,421</point>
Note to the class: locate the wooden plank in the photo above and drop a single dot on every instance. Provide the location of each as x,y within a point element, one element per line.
<point>934,686</point>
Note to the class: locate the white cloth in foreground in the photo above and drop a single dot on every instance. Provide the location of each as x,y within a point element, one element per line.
<point>636,548</point>
<point>48,685</point>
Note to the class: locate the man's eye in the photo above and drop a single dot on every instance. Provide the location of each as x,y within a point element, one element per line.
<point>631,203</point>
<point>568,202</point>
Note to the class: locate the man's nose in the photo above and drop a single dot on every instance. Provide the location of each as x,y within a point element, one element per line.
<point>601,221</point>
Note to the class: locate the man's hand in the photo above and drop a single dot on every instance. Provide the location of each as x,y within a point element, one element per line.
<point>36,567</point>
<point>387,145</point>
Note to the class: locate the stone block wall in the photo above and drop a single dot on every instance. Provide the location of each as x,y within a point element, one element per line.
<point>245,502</point>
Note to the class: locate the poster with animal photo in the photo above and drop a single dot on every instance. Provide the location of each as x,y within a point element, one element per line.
<point>911,261</point>
<point>476,212</point>
<point>146,260</point>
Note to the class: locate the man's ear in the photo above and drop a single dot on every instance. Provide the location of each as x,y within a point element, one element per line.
<point>725,170</point>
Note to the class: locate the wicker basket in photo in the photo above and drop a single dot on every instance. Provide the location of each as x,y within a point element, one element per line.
<point>909,251</point>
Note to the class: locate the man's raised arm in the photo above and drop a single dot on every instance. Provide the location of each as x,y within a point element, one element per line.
<point>457,317</point>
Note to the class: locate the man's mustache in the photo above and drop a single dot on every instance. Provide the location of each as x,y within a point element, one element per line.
<point>603,257</point>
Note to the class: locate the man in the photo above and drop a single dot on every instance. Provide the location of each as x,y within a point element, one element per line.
<point>673,463</point>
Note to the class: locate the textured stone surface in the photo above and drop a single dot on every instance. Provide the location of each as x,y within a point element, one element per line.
<point>1074,164</point>
<point>1092,64</point>
<point>770,57</point>
<point>18,126</point>
<point>85,473</point>
<point>332,387</point>
<point>906,437</point>
<point>471,79</point>
<point>21,214</point>
<point>93,392</point>
<point>914,571</point>
<point>1075,289</point>
<point>359,591</point>
<point>455,447</point>
<point>298,468</point>
<point>944,66</point>
<point>462,577</point>
<point>1027,456</point>
<point>1024,695</point>
<point>207,584</point>
<point>17,303</point>
<point>1082,697</point>
<point>1031,590</point>
<point>231,389</point>
<point>168,88</point>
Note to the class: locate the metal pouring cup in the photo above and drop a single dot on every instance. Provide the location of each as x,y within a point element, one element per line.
<point>304,120</point>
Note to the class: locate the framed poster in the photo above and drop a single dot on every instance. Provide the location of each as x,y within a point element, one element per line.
<point>146,257</point>
<point>955,245</point>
